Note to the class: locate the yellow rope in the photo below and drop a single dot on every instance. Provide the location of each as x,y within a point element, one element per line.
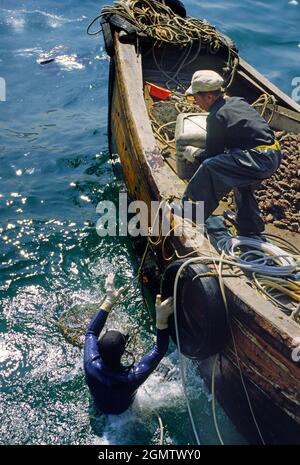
<point>157,20</point>
<point>160,22</point>
<point>296,315</point>
<point>261,105</point>
<point>156,115</point>
<point>264,284</point>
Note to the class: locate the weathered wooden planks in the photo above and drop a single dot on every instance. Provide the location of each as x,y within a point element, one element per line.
<point>264,335</point>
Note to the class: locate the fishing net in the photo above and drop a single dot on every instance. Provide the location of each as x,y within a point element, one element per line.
<point>74,322</point>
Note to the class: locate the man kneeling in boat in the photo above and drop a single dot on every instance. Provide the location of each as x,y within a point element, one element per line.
<point>112,385</point>
<point>241,151</point>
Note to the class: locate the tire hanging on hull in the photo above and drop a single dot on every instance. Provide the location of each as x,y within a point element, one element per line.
<point>108,37</point>
<point>201,314</point>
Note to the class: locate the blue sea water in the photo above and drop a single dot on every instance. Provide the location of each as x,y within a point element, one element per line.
<point>54,169</point>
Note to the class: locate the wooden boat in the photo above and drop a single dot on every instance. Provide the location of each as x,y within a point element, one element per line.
<point>264,335</point>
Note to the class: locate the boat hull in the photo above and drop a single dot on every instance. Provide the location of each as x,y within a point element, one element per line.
<point>264,337</point>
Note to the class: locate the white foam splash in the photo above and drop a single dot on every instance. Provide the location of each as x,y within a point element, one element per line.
<point>17,19</point>
<point>69,62</point>
<point>29,52</point>
<point>61,56</point>
<point>4,352</point>
<point>54,19</point>
<point>161,393</point>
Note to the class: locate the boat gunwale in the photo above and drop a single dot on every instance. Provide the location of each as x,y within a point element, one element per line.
<point>266,314</point>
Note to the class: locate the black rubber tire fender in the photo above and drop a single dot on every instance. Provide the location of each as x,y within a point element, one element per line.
<point>177,6</point>
<point>108,38</point>
<point>118,23</point>
<point>201,314</point>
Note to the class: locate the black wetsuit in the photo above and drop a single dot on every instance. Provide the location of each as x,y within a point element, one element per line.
<point>114,391</point>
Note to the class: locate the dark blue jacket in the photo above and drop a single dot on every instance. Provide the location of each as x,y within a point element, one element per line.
<point>114,391</point>
<point>233,124</point>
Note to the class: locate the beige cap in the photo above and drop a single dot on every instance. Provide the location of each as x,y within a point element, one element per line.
<point>205,80</point>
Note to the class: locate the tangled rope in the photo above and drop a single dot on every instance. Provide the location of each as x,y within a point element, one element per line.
<point>260,257</point>
<point>162,24</point>
<point>163,115</point>
<point>262,103</point>
<point>273,269</point>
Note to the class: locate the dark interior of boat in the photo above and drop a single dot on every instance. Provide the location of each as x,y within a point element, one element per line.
<point>164,63</point>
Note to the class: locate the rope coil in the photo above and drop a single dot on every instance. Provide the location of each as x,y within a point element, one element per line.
<point>262,106</point>
<point>162,24</point>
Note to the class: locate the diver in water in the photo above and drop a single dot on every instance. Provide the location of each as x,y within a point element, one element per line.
<point>112,385</point>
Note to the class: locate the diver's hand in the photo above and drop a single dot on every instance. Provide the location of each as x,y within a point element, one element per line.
<point>112,294</point>
<point>163,311</point>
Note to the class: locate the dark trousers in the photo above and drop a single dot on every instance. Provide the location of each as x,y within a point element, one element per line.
<point>240,170</point>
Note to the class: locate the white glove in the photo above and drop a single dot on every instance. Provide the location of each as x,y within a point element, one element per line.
<point>190,152</point>
<point>112,294</point>
<point>163,311</point>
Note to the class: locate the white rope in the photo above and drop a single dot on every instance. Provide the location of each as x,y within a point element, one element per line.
<point>272,260</point>
<point>213,377</point>
<point>179,349</point>
<point>222,287</point>
<point>221,261</point>
<point>160,422</point>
